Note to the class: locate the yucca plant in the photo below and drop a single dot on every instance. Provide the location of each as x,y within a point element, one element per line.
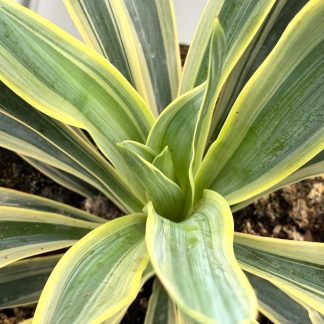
<point>176,150</point>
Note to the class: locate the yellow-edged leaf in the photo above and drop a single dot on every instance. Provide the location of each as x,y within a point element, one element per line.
<point>276,123</point>
<point>98,277</point>
<point>139,38</point>
<point>195,262</point>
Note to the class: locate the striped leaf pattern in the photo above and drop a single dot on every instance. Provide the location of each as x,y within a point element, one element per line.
<point>139,38</point>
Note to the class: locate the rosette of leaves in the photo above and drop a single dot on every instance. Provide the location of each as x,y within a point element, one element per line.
<point>177,150</point>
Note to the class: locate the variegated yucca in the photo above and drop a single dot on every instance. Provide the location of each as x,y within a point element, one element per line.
<point>176,150</point>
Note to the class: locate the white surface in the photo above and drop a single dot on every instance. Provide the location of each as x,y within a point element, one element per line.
<point>187,12</point>
<point>55,11</point>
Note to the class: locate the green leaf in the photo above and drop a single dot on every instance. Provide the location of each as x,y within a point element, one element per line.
<point>21,283</point>
<point>79,87</point>
<point>98,276</point>
<point>240,20</point>
<point>316,317</point>
<point>274,24</point>
<point>175,129</point>
<point>164,163</point>
<point>140,149</point>
<point>117,317</point>
<point>31,133</point>
<point>294,266</point>
<point>183,127</point>
<point>195,69</point>
<point>276,123</point>
<point>216,58</point>
<point>278,306</point>
<point>13,198</point>
<point>314,167</point>
<point>139,38</point>
<point>27,321</point>
<point>165,194</point>
<point>195,262</point>
<point>162,310</point>
<point>25,232</point>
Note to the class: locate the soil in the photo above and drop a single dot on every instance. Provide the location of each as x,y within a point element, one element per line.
<point>295,212</point>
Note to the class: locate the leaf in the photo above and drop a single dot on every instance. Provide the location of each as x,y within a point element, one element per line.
<point>117,318</point>
<point>161,308</point>
<point>13,198</point>
<point>21,283</point>
<point>166,194</point>
<point>62,178</point>
<point>79,87</point>
<point>183,127</point>
<point>315,167</point>
<point>276,123</point>
<point>252,57</point>
<point>29,132</point>
<point>27,321</point>
<point>195,69</point>
<point>294,266</point>
<point>164,163</point>
<point>25,232</point>
<point>276,304</point>
<point>316,317</point>
<point>139,38</point>
<point>216,58</point>
<point>240,20</point>
<point>98,276</point>
<point>175,129</point>
<point>140,149</point>
<point>195,262</point>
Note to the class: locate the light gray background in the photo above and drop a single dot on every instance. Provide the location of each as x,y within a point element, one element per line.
<point>187,12</point>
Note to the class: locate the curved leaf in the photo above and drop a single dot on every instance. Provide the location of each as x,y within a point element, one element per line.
<point>166,194</point>
<point>252,57</point>
<point>13,198</point>
<point>279,307</point>
<point>276,124</point>
<point>98,276</point>
<point>78,86</point>
<point>296,267</point>
<point>27,131</point>
<point>195,262</point>
<point>139,38</point>
<point>117,317</point>
<point>26,232</point>
<point>161,309</point>
<point>175,129</point>
<point>313,168</point>
<point>240,20</point>
<point>164,163</point>
<point>22,282</point>
<point>215,65</point>
<point>140,149</point>
<point>183,127</point>
<point>316,317</point>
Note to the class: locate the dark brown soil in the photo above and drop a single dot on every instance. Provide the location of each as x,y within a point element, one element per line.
<point>16,315</point>
<point>295,212</point>
<point>17,174</point>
